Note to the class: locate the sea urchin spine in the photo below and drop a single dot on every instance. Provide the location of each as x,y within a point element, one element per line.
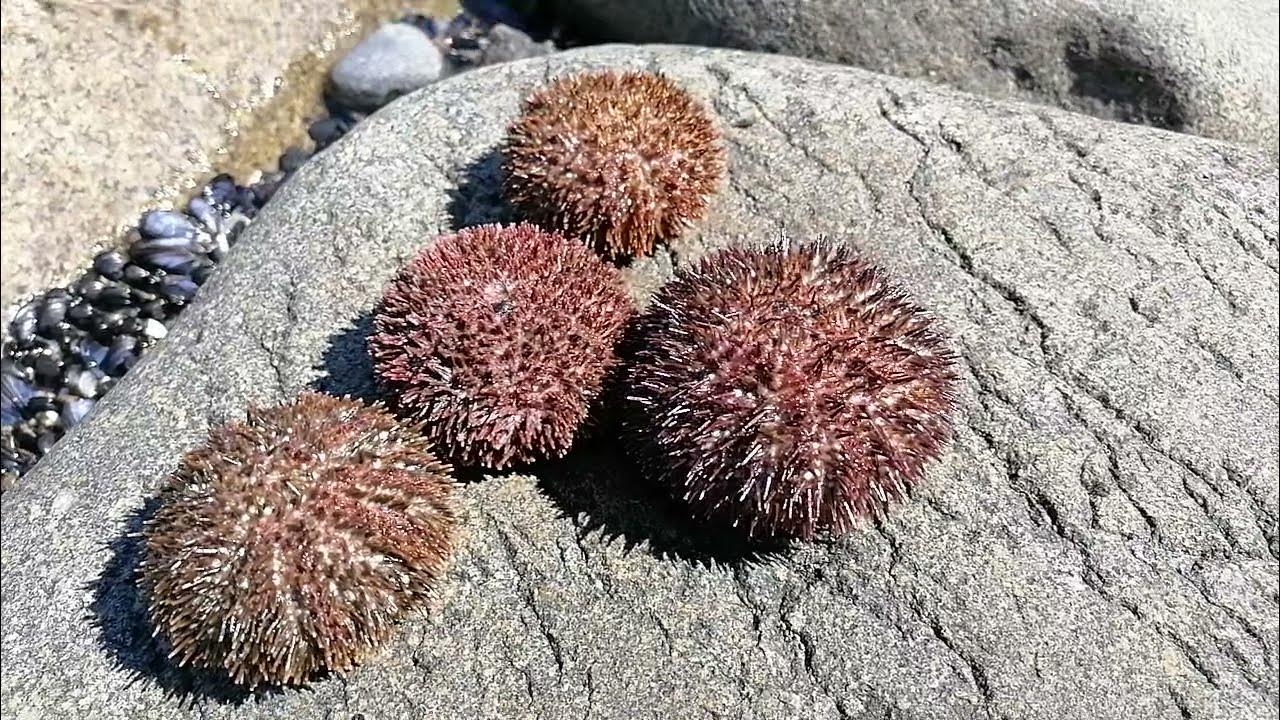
<point>789,390</point>
<point>622,160</point>
<point>499,339</point>
<point>290,543</point>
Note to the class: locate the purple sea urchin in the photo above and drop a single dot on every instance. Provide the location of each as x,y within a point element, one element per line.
<point>789,390</point>
<point>499,339</point>
<point>622,160</point>
<point>290,543</point>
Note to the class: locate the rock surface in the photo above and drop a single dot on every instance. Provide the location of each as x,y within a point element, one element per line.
<point>1200,66</point>
<point>1099,542</point>
<point>395,60</point>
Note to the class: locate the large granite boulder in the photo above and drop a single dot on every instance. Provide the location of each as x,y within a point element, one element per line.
<point>1199,66</point>
<point>1099,542</point>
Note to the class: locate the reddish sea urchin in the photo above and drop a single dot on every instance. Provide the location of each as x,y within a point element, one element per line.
<point>290,543</point>
<point>789,390</point>
<point>499,339</point>
<point>622,160</point>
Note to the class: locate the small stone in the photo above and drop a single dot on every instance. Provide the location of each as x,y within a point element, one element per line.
<point>292,159</point>
<point>327,131</point>
<point>505,44</point>
<point>154,329</point>
<point>395,60</point>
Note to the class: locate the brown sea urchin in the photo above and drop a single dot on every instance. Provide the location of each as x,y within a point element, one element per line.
<point>290,543</point>
<point>498,339</point>
<point>789,390</point>
<point>620,159</point>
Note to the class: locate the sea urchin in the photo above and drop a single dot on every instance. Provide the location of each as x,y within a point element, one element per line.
<point>498,339</point>
<point>290,543</point>
<point>789,390</point>
<point>622,160</point>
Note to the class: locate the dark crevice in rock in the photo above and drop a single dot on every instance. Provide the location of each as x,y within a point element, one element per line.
<point>977,672</point>
<point>808,654</point>
<point>1003,54</point>
<point>1196,483</point>
<point>1107,73</point>
<point>526,591</point>
<point>1053,361</point>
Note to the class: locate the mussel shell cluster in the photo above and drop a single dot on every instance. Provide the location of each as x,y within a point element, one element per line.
<point>67,346</point>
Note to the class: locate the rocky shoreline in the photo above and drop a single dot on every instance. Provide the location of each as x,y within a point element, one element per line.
<point>1099,542</point>
<point>67,347</point>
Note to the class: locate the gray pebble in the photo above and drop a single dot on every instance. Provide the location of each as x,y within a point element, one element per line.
<point>327,131</point>
<point>395,60</point>
<point>292,159</point>
<point>505,44</point>
<point>154,329</point>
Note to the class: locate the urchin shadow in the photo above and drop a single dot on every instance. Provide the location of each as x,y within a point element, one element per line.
<point>118,612</point>
<point>595,484</point>
<point>478,198</point>
<point>346,369</point>
<point>603,491</point>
